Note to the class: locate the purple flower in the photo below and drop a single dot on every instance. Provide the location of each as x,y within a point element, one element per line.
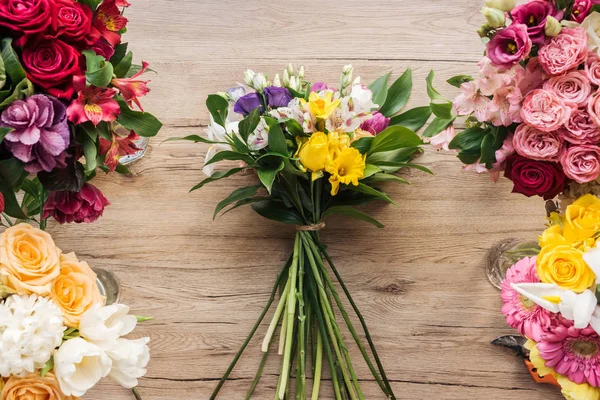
<point>278,96</point>
<point>533,14</point>
<point>509,46</point>
<point>246,104</point>
<point>41,133</point>
<point>317,87</point>
<point>377,124</point>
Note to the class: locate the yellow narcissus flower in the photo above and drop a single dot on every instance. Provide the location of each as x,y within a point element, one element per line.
<point>348,168</point>
<point>582,219</point>
<point>337,143</point>
<point>314,153</point>
<point>321,107</point>
<point>564,266</point>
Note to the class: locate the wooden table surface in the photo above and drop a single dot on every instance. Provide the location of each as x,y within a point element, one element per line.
<point>420,281</point>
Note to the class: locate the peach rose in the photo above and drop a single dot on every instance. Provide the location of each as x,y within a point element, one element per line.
<point>33,387</point>
<point>544,110</point>
<point>29,260</point>
<point>75,290</point>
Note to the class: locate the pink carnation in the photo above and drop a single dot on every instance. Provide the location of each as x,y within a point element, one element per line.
<point>581,163</point>
<point>581,128</point>
<point>522,314</point>
<point>537,145</point>
<point>564,52</point>
<point>572,352</point>
<point>544,110</point>
<point>592,68</point>
<point>574,88</point>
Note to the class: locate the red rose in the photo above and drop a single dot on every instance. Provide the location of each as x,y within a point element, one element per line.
<point>535,178</point>
<point>25,17</point>
<point>72,22</point>
<point>52,65</point>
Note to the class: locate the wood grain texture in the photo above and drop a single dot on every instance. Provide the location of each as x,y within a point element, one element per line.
<point>420,282</point>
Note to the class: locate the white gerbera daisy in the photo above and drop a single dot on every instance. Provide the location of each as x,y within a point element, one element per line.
<point>31,328</point>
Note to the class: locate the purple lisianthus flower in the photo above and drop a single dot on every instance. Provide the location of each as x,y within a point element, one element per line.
<point>377,124</point>
<point>246,104</point>
<point>509,46</point>
<point>278,96</point>
<point>41,132</point>
<point>533,14</point>
<point>318,86</point>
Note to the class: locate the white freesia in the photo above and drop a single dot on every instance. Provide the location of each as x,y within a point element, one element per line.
<point>217,133</point>
<point>104,325</point>
<point>249,77</point>
<point>31,327</point>
<point>362,99</point>
<point>591,24</point>
<point>259,82</point>
<point>129,361</point>
<point>79,366</point>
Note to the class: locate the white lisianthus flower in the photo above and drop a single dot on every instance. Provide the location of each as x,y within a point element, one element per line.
<point>259,139</point>
<point>217,133</point>
<point>31,328</point>
<point>79,366</point>
<point>129,361</point>
<point>104,325</point>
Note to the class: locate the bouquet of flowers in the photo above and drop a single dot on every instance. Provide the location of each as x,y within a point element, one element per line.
<point>67,91</point>
<point>552,299</point>
<point>533,114</point>
<point>57,338</point>
<point>317,151</point>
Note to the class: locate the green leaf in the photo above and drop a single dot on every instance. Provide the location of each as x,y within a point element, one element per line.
<point>48,367</point>
<point>433,94</point>
<point>277,211</point>
<point>12,65</point>
<point>370,191</point>
<point>142,123</point>
<point>371,169</point>
<point>436,126</point>
<point>267,175</point>
<point>12,172</point>
<point>277,143</point>
<point>93,4</point>
<point>237,195</point>
<point>3,132</point>
<point>121,69</point>
<point>400,165</point>
<point>458,80</point>
<point>218,108</point>
<point>90,151</point>
<point>413,119</point>
<point>383,177</point>
<point>469,139</point>
<point>398,94</point>
<point>294,127</point>
<point>380,89</point>
<point>23,89</point>
<point>2,73</point>
<point>217,175</point>
<point>102,130</point>
<point>393,138</point>
<point>230,156</point>
<point>99,72</point>
<point>143,319</point>
<point>195,139</point>
<point>11,204</point>
<point>245,202</point>
<point>363,144</point>
<point>120,53</point>
<point>442,110</point>
<point>353,213</point>
<point>249,124</point>
<point>488,156</point>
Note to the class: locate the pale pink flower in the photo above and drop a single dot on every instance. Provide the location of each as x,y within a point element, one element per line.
<point>494,77</point>
<point>532,78</point>
<point>442,140</point>
<point>581,128</point>
<point>592,68</point>
<point>501,155</point>
<point>594,107</point>
<point>574,88</point>
<point>564,52</point>
<point>505,109</point>
<point>470,100</point>
<point>537,145</point>
<point>544,110</point>
<point>521,313</point>
<point>581,163</point>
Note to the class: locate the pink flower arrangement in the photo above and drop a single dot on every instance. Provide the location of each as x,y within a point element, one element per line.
<point>539,84</point>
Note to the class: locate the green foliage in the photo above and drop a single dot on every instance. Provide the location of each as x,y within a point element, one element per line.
<point>413,119</point>
<point>237,195</point>
<point>218,108</point>
<point>217,175</point>
<point>277,211</point>
<point>142,123</point>
<point>380,89</point>
<point>12,65</point>
<point>393,138</point>
<point>352,213</point>
<point>99,72</point>
<point>479,144</point>
<point>458,80</point>
<point>122,68</point>
<point>398,94</point>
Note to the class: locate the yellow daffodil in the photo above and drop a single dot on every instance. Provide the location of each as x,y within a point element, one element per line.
<point>348,168</point>
<point>337,143</point>
<point>564,266</point>
<point>321,107</point>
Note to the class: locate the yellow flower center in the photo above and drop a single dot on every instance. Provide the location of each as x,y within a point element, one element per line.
<point>512,48</point>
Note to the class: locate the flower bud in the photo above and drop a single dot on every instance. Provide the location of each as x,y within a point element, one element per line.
<point>259,81</point>
<point>290,69</point>
<point>495,18</point>
<point>301,72</point>
<point>277,81</point>
<point>249,77</point>
<point>293,83</point>
<point>503,5</point>
<point>348,68</point>
<point>286,78</point>
<point>553,26</point>
<point>356,81</point>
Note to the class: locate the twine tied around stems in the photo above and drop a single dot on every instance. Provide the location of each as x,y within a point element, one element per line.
<point>311,228</point>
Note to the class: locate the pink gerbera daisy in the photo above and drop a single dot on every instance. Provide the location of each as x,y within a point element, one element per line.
<point>521,313</point>
<point>572,352</point>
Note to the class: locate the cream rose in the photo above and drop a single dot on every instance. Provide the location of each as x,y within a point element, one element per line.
<point>29,260</point>
<point>75,290</point>
<point>33,387</point>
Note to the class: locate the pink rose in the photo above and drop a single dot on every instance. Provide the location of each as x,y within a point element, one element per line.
<point>544,110</point>
<point>581,163</point>
<point>565,51</point>
<point>574,88</point>
<point>592,68</point>
<point>594,107</point>
<point>537,145</point>
<point>581,128</point>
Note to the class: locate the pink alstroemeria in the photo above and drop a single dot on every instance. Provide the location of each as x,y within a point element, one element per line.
<point>122,3</point>
<point>94,104</point>
<point>109,21</point>
<point>131,88</point>
<point>118,147</point>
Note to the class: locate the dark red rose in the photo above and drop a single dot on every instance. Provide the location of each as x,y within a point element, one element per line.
<point>52,65</point>
<point>72,22</point>
<point>535,178</point>
<point>86,205</point>
<point>25,17</point>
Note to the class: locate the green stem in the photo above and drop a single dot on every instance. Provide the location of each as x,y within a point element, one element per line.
<point>318,366</point>
<point>136,394</point>
<point>282,335</point>
<point>276,317</point>
<point>259,372</point>
<point>252,332</point>
<point>301,367</point>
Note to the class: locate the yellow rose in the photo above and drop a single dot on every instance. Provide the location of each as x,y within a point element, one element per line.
<point>348,168</point>
<point>582,219</point>
<point>29,260</point>
<point>564,266</point>
<point>75,290</point>
<point>314,153</point>
<point>33,387</point>
<point>552,237</point>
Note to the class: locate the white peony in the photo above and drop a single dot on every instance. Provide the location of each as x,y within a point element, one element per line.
<point>31,328</point>
<point>106,324</point>
<point>129,361</point>
<point>79,366</point>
